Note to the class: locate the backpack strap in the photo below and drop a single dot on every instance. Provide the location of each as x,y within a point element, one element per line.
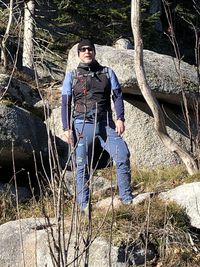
<point>74,77</point>
<point>106,71</point>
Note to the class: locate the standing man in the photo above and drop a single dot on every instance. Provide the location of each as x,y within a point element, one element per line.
<point>90,87</point>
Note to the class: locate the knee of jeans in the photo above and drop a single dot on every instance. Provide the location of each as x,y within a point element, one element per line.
<point>123,163</point>
<point>123,156</point>
<point>80,155</point>
<point>80,161</point>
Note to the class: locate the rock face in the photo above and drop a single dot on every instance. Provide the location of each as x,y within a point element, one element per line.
<point>32,246</point>
<point>21,127</point>
<point>146,148</point>
<point>26,131</point>
<point>188,197</point>
<point>123,43</point>
<point>18,91</point>
<point>162,72</point>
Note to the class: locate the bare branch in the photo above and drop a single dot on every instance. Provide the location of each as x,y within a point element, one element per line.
<point>151,100</point>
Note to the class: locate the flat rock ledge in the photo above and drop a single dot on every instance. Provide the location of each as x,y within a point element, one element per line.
<point>188,197</point>
<point>115,202</point>
<point>31,242</point>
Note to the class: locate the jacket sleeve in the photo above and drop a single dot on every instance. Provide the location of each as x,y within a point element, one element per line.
<point>66,101</point>
<point>117,95</point>
<point>118,104</point>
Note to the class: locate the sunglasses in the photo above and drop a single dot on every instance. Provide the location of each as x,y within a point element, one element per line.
<point>83,49</point>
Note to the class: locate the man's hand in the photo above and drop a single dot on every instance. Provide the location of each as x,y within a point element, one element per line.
<point>120,127</point>
<point>67,136</point>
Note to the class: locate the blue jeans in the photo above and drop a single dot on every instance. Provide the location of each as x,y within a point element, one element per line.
<point>113,144</point>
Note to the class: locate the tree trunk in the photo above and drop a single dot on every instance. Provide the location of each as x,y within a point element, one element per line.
<point>159,121</point>
<point>4,54</point>
<point>29,33</point>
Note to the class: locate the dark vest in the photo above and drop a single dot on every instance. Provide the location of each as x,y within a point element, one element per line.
<point>91,92</point>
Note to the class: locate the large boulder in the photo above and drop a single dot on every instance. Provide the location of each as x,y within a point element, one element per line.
<point>188,197</point>
<point>30,242</point>
<point>147,150</point>
<point>123,43</point>
<point>163,73</point>
<point>21,133</point>
<point>20,93</point>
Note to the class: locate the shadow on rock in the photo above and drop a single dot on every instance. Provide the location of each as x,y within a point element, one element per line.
<point>136,253</point>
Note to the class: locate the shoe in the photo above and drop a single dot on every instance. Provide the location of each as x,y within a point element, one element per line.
<point>127,202</point>
<point>85,211</point>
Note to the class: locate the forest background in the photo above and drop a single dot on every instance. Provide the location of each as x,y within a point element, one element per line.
<point>60,24</point>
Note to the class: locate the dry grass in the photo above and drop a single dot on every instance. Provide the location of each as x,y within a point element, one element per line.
<point>33,208</point>
<point>7,209</point>
<point>157,180</point>
<point>165,226</point>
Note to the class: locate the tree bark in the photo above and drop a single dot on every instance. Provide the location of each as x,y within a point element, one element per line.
<point>159,120</point>
<point>4,54</point>
<point>29,33</point>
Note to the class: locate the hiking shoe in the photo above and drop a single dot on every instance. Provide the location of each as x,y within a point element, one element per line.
<point>127,202</point>
<point>85,211</point>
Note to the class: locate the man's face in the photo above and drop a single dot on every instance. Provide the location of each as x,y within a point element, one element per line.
<point>86,54</point>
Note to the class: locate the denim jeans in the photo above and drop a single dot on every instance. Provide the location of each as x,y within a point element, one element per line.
<point>113,144</point>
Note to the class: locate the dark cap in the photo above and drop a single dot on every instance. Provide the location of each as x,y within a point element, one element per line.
<point>85,42</point>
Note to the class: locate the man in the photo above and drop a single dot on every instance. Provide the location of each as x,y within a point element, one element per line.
<point>90,88</point>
